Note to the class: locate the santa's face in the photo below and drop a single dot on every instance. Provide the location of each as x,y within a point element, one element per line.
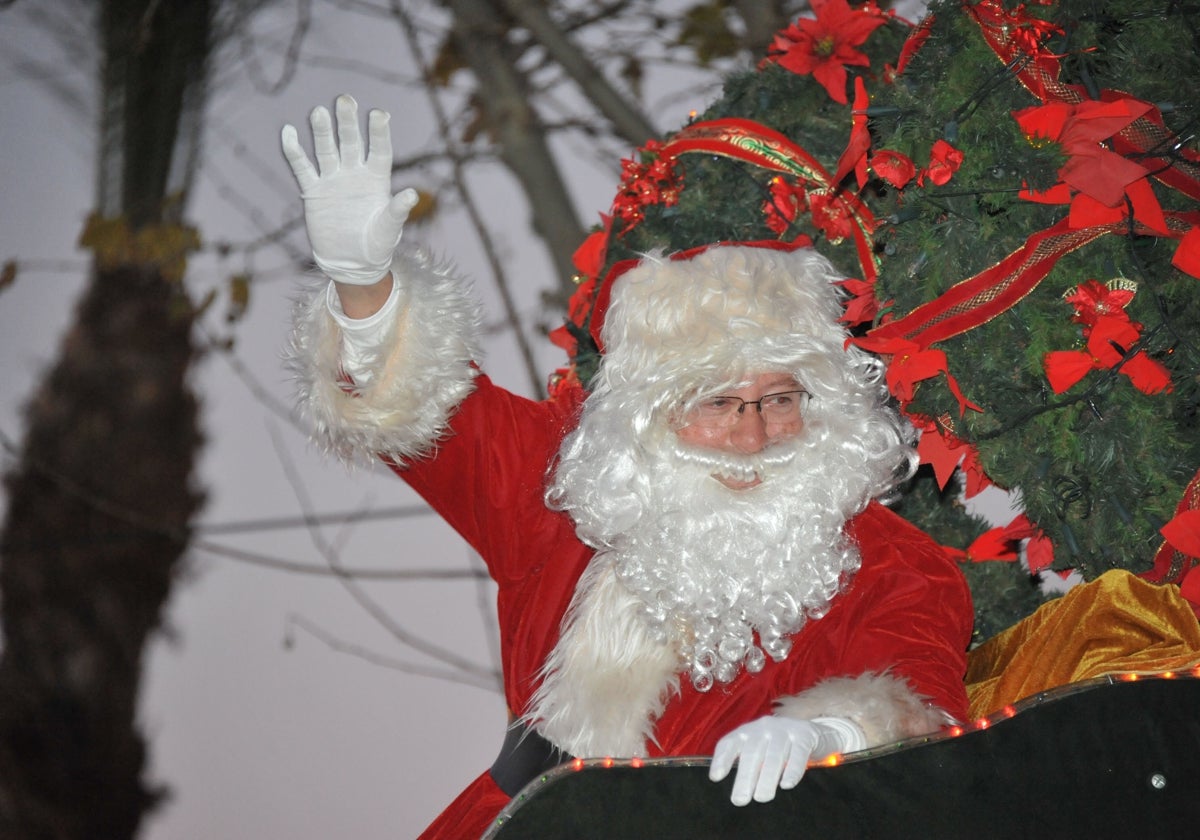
<point>750,430</point>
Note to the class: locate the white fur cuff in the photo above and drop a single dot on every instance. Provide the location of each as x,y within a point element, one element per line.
<point>885,707</point>
<point>420,371</point>
<point>848,734</point>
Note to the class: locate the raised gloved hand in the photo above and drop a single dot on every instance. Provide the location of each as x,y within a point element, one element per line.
<point>773,752</point>
<point>353,220</point>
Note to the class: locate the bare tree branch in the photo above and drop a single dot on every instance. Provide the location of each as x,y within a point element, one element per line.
<point>295,567</point>
<point>102,504</point>
<point>494,262</point>
<point>629,121</point>
<point>504,96</point>
<point>368,604</point>
<point>485,601</point>
<point>762,19</point>
<point>332,642</point>
<point>291,55</point>
<point>341,518</point>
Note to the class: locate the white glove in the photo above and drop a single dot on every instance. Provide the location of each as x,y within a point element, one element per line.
<point>353,221</point>
<point>773,752</point>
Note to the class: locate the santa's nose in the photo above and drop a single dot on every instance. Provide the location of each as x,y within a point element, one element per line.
<point>749,434</point>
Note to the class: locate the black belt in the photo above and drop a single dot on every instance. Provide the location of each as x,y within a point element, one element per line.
<point>524,756</point>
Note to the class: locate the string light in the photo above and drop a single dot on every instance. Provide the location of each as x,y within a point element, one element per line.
<point>837,759</point>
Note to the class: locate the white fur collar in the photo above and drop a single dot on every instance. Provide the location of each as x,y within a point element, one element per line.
<point>609,676</point>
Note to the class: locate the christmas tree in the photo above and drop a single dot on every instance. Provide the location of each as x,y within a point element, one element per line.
<point>1013,194</point>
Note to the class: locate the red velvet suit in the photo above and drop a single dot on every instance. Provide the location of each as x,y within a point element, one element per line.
<point>907,610</point>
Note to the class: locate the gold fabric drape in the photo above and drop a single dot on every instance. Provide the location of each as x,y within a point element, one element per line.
<point>1116,623</point>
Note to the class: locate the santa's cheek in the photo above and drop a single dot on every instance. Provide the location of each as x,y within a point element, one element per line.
<point>717,439</point>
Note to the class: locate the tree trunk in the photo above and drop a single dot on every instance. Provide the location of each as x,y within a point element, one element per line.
<point>96,526</point>
<point>480,32</point>
<point>101,497</point>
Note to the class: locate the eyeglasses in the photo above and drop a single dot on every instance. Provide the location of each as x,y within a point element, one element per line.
<point>716,412</point>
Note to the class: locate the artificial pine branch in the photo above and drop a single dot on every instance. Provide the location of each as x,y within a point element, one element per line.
<point>1101,467</point>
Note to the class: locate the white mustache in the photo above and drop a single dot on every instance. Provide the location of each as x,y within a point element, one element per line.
<point>733,465</point>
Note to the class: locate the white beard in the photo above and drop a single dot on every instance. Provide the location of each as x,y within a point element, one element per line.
<point>717,565</point>
<point>685,587</point>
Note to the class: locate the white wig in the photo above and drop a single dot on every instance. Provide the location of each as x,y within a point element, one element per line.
<point>679,330</point>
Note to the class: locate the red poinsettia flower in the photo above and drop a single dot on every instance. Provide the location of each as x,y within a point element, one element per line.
<point>1093,299</point>
<point>826,45</point>
<point>912,45</point>
<point>830,215</point>
<point>911,363</point>
<point>1102,178</point>
<point>939,448</point>
<point>862,306</point>
<point>650,179</point>
<point>893,167</point>
<point>976,479</point>
<point>1187,255</point>
<point>787,201</point>
<point>944,161</point>
<point>1026,33</point>
<point>855,155</point>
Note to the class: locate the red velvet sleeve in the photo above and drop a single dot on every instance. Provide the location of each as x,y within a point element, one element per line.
<point>487,477</point>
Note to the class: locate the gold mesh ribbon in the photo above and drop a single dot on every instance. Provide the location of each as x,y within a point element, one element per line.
<point>752,142</point>
<point>976,300</point>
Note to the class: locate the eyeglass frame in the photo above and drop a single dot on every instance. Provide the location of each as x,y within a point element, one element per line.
<point>733,417</point>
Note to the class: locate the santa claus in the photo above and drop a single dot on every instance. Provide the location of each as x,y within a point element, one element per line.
<point>692,559</point>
